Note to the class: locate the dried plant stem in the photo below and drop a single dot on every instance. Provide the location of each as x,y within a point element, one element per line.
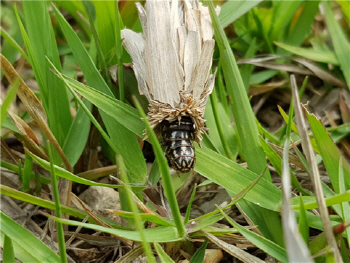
<point>315,176</point>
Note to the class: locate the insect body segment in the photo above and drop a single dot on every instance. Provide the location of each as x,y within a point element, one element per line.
<point>178,139</point>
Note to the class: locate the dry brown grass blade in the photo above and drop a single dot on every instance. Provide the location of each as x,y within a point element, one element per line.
<point>322,74</point>
<point>28,137</point>
<point>33,107</point>
<point>308,69</point>
<point>99,221</point>
<point>98,172</point>
<point>131,255</point>
<point>255,90</point>
<point>233,250</point>
<point>91,214</point>
<point>315,176</point>
<point>7,154</point>
<point>292,158</point>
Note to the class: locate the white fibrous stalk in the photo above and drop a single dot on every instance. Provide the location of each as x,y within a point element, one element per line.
<point>172,59</point>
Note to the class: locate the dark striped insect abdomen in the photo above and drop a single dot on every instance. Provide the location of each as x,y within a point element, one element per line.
<point>178,139</point>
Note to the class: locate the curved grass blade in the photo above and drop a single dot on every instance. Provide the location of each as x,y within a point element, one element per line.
<point>8,255</point>
<point>162,255</point>
<point>159,234</point>
<point>67,175</point>
<point>5,190</point>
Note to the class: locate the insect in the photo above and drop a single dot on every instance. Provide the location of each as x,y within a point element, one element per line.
<point>177,139</point>
<point>172,59</point>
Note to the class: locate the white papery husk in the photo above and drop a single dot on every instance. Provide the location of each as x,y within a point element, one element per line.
<point>172,59</point>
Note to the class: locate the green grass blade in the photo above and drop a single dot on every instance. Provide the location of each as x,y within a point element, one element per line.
<point>59,227</point>
<point>234,178</point>
<point>276,162</point>
<point>232,10</point>
<point>303,222</point>
<point>246,70</point>
<point>345,206</point>
<point>302,26</point>
<point>340,43</point>
<point>264,244</point>
<point>315,55</point>
<point>283,12</point>
<point>13,42</point>
<point>161,254</point>
<point>154,218</point>
<point>121,112</point>
<point>77,135</point>
<point>8,255</point>
<point>27,171</point>
<point>199,255</point>
<point>218,123</point>
<point>27,247</point>
<point>120,52</point>
<point>38,21</point>
<point>329,152</point>
<point>128,147</point>
<point>310,202</point>
<point>244,116</point>
<point>106,27</point>
<point>77,11</point>
<point>158,234</point>
<point>188,210</point>
<point>17,169</point>
<point>100,55</point>
<point>138,220</point>
<point>67,175</point>
<point>246,125</point>
<point>5,190</point>
<point>11,94</point>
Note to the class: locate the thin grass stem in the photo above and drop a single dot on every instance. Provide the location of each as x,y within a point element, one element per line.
<point>133,207</point>
<point>60,232</point>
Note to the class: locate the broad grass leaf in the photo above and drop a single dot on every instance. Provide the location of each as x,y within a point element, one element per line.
<point>8,254</point>
<point>27,247</point>
<point>234,178</point>
<point>161,254</point>
<point>329,152</point>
